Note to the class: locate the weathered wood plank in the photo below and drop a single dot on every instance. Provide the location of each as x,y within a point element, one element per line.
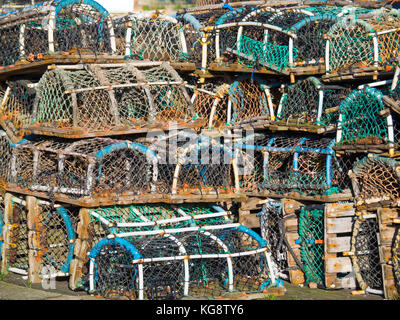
<point>338,265</point>
<point>339,210</point>
<point>341,225</point>
<point>338,244</point>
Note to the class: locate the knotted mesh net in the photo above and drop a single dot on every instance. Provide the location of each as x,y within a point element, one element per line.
<point>92,167</point>
<point>272,230</point>
<point>281,164</point>
<point>55,233</point>
<point>102,99</point>
<point>155,38</point>
<point>199,264</point>
<point>365,249</point>
<point>17,106</point>
<point>311,233</point>
<point>302,103</point>
<point>361,120</point>
<point>16,252</point>
<point>249,101</point>
<point>377,178</point>
<point>77,28</point>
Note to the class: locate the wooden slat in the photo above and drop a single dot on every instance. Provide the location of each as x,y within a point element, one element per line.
<point>340,210</point>
<point>389,284</point>
<point>386,215</point>
<point>338,265</point>
<point>33,242</point>
<point>338,244</point>
<point>81,248</point>
<point>341,225</point>
<point>386,236</point>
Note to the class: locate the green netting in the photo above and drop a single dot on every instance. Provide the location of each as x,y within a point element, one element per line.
<point>361,117</point>
<point>349,44</point>
<point>311,232</point>
<point>157,39</point>
<point>275,57</point>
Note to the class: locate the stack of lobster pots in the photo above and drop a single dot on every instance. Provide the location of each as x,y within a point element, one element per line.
<point>132,146</point>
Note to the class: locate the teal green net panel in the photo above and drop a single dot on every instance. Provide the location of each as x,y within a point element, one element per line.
<point>269,55</point>
<point>350,44</point>
<point>361,119</point>
<point>311,232</point>
<point>302,102</point>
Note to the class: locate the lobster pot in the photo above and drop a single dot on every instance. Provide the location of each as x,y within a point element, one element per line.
<point>15,245</point>
<point>170,266</point>
<point>272,230</point>
<point>362,44</point>
<point>250,101</point>
<point>17,107</point>
<point>364,119</point>
<point>201,166</point>
<point>136,219</point>
<point>205,167</point>
<point>55,26</point>
<point>365,254</point>
<point>151,36</point>
<point>290,164</point>
<point>210,104</point>
<point>94,167</point>
<point>5,156</point>
<point>310,102</point>
<point>376,180</point>
<point>282,38</point>
<point>311,239</point>
<point>113,99</point>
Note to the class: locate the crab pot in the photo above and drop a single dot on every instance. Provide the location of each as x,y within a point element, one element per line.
<point>88,168</point>
<point>310,102</point>
<point>365,254</point>
<point>250,101</point>
<point>98,223</point>
<point>365,120</point>
<point>95,100</point>
<point>279,39</point>
<point>376,179</point>
<point>192,165</point>
<point>171,266</point>
<point>17,107</point>
<point>210,104</point>
<point>363,44</point>
<point>5,156</point>
<point>205,167</point>
<point>283,164</point>
<point>55,27</point>
<point>151,36</point>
